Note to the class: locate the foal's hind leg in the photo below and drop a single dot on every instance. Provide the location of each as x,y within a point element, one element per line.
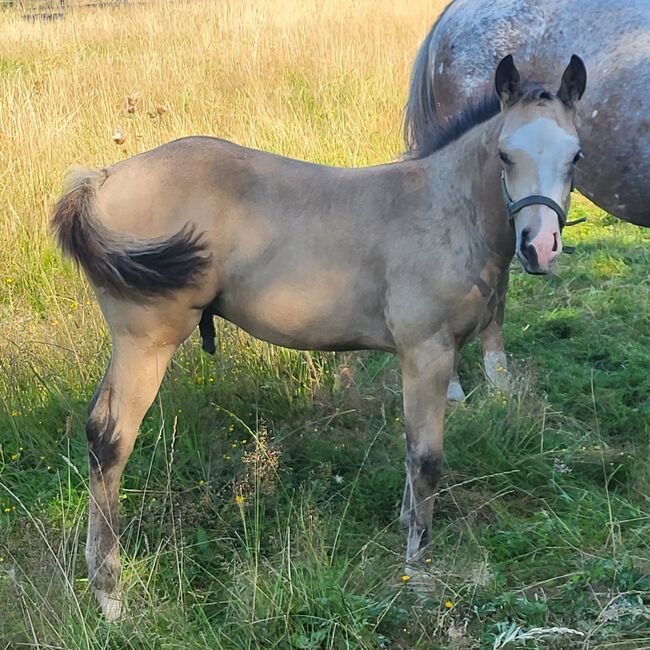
<point>426,370</point>
<point>133,377</point>
<point>494,354</point>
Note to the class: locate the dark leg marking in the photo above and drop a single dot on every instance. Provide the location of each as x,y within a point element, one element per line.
<point>430,470</point>
<point>102,444</point>
<point>425,473</point>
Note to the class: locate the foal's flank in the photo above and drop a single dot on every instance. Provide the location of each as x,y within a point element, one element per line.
<point>406,257</point>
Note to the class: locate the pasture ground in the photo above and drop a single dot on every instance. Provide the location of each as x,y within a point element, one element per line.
<point>260,506</point>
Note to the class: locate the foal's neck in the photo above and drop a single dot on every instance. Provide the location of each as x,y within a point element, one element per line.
<point>466,177</point>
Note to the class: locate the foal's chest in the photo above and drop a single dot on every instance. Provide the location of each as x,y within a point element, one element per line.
<point>475,311</point>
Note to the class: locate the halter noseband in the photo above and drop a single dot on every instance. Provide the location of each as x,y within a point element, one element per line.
<point>514,207</point>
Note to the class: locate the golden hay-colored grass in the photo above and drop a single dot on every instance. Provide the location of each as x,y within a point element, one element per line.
<point>324,81</point>
<point>321,80</point>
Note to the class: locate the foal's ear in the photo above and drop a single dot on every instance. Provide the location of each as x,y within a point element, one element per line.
<point>574,81</point>
<point>506,81</point>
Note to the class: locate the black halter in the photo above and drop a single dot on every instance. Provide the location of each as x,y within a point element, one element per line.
<point>514,207</point>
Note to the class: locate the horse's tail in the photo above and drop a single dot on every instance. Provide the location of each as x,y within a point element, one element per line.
<point>125,266</point>
<point>420,110</point>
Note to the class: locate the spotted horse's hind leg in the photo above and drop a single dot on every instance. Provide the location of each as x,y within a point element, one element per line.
<point>142,349</point>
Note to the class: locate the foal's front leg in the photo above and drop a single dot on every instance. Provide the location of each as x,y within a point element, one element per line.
<point>494,354</point>
<point>426,370</point>
<point>455,392</point>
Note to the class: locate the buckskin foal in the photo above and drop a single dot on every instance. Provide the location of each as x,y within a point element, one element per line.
<point>404,257</point>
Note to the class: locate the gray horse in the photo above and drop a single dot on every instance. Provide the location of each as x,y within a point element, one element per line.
<point>455,62</point>
<point>405,257</point>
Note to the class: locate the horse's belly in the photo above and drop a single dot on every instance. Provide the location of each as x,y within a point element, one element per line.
<point>302,319</point>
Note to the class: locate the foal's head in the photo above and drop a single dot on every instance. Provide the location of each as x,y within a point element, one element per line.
<point>539,149</point>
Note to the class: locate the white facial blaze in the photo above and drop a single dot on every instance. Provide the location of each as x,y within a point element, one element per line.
<point>541,152</point>
<point>549,147</point>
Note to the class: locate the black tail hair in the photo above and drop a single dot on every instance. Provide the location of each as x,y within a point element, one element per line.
<point>125,267</point>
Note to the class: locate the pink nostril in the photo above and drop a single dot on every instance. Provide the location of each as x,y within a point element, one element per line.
<point>555,242</point>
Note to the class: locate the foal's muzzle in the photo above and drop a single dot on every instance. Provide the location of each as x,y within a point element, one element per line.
<point>537,254</point>
<point>527,250</point>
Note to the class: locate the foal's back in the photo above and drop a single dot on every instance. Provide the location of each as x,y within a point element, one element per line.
<point>299,251</point>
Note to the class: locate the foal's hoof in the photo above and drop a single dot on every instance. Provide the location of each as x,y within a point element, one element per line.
<point>111,605</point>
<point>455,392</point>
<point>419,578</point>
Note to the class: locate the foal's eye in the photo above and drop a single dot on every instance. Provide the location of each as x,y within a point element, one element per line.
<point>505,159</point>
<point>578,157</point>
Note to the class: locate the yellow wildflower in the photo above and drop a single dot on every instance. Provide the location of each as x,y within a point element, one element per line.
<point>405,578</point>
<point>239,499</point>
<point>449,604</point>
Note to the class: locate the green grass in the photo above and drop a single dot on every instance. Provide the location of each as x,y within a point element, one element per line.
<point>543,516</point>
<point>541,521</point>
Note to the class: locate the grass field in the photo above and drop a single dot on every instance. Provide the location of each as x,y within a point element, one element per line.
<point>260,506</point>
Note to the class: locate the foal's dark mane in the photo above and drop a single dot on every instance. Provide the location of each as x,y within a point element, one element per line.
<point>477,111</point>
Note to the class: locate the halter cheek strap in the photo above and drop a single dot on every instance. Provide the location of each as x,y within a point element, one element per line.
<point>514,207</point>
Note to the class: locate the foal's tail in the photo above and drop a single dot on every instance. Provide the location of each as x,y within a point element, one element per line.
<point>420,111</point>
<point>125,266</point>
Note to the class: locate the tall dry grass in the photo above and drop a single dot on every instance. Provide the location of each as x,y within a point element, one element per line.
<point>323,80</point>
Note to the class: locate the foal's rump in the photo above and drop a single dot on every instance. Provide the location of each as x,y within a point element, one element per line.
<point>124,265</point>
